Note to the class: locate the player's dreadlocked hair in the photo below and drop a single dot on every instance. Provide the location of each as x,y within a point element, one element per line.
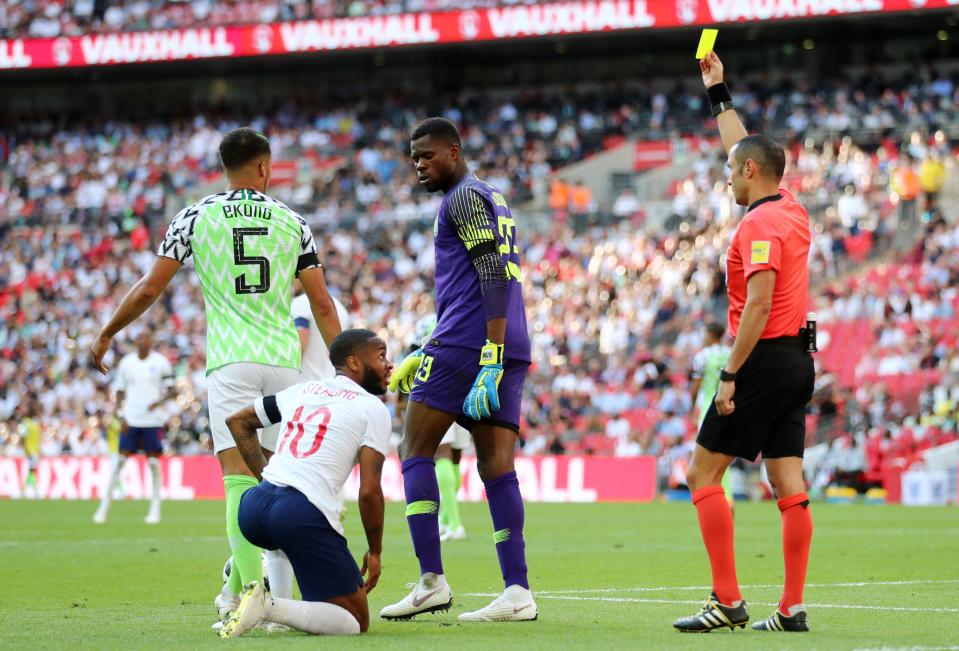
<point>241,146</point>
<point>346,344</point>
<point>438,128</point>
<point>766,153</point>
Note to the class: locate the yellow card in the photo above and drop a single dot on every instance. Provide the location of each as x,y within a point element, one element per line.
<point>706,43</point>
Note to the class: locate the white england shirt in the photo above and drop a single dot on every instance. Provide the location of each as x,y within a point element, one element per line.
<point>144,381</point>
<point>316,358</point>
<point>325,423</point>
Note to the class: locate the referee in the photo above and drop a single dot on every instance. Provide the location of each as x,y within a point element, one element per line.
<point>768,380</point>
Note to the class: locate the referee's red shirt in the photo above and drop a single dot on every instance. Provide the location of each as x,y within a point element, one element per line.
<point>773,235</point>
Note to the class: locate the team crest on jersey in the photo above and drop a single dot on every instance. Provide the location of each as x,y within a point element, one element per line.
<point>760,253</point>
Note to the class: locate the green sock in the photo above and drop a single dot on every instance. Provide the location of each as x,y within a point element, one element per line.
<point>448,477</point>
<point>447,482</point>
<point>31,479</point>
<point>454,512</point>
<point>247,565</point>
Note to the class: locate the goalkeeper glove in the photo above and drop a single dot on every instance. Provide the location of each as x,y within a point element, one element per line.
<point>483,399</point>
<point>404,375</point>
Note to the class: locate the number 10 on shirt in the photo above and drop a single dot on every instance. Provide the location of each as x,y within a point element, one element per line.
<point>318,430</point>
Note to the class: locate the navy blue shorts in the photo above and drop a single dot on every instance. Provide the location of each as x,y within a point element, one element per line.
<point>446,375</point>
<point>148,439</point>
<point>280,517</point>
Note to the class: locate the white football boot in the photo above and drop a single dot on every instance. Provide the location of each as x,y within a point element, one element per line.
<point>153,517</point>
<point>432,594</point>
<point>100,516</point>
<point>514,605</point>
<point>226,604</point>
<point>459,533</point>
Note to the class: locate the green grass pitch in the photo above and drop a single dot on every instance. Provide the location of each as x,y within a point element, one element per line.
<point>606,576</point>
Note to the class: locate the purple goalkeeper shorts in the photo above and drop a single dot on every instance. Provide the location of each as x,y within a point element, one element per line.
<point>446,375</point>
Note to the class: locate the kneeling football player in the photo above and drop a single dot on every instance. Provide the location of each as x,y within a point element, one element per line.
<point>327,426</point>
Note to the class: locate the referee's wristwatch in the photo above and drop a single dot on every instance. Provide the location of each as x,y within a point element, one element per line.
<point>726,376</point>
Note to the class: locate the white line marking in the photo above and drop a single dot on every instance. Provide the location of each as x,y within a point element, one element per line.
<point>109,541</point>
<point>666,588</point>
<point>636,600</point>
<point>909,648</point>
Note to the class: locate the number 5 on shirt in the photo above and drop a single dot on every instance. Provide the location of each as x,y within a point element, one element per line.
<point>318,431</point>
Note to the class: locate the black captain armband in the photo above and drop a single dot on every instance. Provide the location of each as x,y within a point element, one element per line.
<point>719,98</point>
<point>308,261</point>
<point>267,411</point>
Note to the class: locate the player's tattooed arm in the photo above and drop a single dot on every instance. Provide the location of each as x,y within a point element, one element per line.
<point>243,425</point>
<point>371,512</point>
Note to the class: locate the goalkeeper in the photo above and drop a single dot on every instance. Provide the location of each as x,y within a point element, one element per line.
<point>470,371</point>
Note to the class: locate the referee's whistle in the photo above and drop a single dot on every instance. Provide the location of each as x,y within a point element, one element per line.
<point>809,333</point>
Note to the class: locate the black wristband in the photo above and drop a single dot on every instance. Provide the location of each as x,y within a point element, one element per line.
<point>721,108</point>
<point>718,94</point>
<point>726,376</point>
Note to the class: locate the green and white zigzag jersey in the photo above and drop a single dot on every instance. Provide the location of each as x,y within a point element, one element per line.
<point>706,365</point>
<point>247,249</point>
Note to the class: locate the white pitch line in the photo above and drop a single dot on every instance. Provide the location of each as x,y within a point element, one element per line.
<point>635,600</point>
<point>665,588</point>
<point>108,541</point>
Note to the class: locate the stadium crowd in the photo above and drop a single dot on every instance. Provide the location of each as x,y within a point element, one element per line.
<point>49,18</point>
<point>349,165</point>
<point>82,213</point>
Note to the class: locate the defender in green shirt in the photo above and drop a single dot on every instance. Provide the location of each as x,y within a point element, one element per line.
<point>705,380</point>
<point>247,249</point>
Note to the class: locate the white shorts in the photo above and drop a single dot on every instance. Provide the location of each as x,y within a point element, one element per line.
<point>235,386</point>
<point>458,437</point>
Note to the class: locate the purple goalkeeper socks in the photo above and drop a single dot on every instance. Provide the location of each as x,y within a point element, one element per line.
<point>422,504</point>
<point>506,508</point>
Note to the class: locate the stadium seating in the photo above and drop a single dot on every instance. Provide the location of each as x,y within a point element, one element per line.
<point>82,208</point>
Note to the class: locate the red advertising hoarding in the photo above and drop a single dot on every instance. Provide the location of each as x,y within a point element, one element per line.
<point>542,479</point>
<point>549,19</point>
<point>650,154</point>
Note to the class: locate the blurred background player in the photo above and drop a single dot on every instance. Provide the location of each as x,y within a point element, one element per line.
<point>704,377</point>
<point>316,363</point>
<point>448,476</point>
<point>295,508</point>
<point>247,248</point>
<point>475,364</point>
<point>143,384</point>
<point>768,380</point>
<point>31,432</point>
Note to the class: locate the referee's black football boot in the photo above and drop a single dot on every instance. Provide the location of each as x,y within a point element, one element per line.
<point>714,615</point>
<point>779,622</point>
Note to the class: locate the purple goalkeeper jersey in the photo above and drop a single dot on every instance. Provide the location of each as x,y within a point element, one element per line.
<point>478,273</point>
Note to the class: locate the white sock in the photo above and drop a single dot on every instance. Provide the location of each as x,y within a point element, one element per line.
<point>432,580</point>
<point>280,573</point>
<point>116,465</point>
<point>316,617</point>
<point>154,464</point>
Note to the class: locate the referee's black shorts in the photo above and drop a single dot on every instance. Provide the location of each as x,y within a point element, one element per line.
<point>773,388</point>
